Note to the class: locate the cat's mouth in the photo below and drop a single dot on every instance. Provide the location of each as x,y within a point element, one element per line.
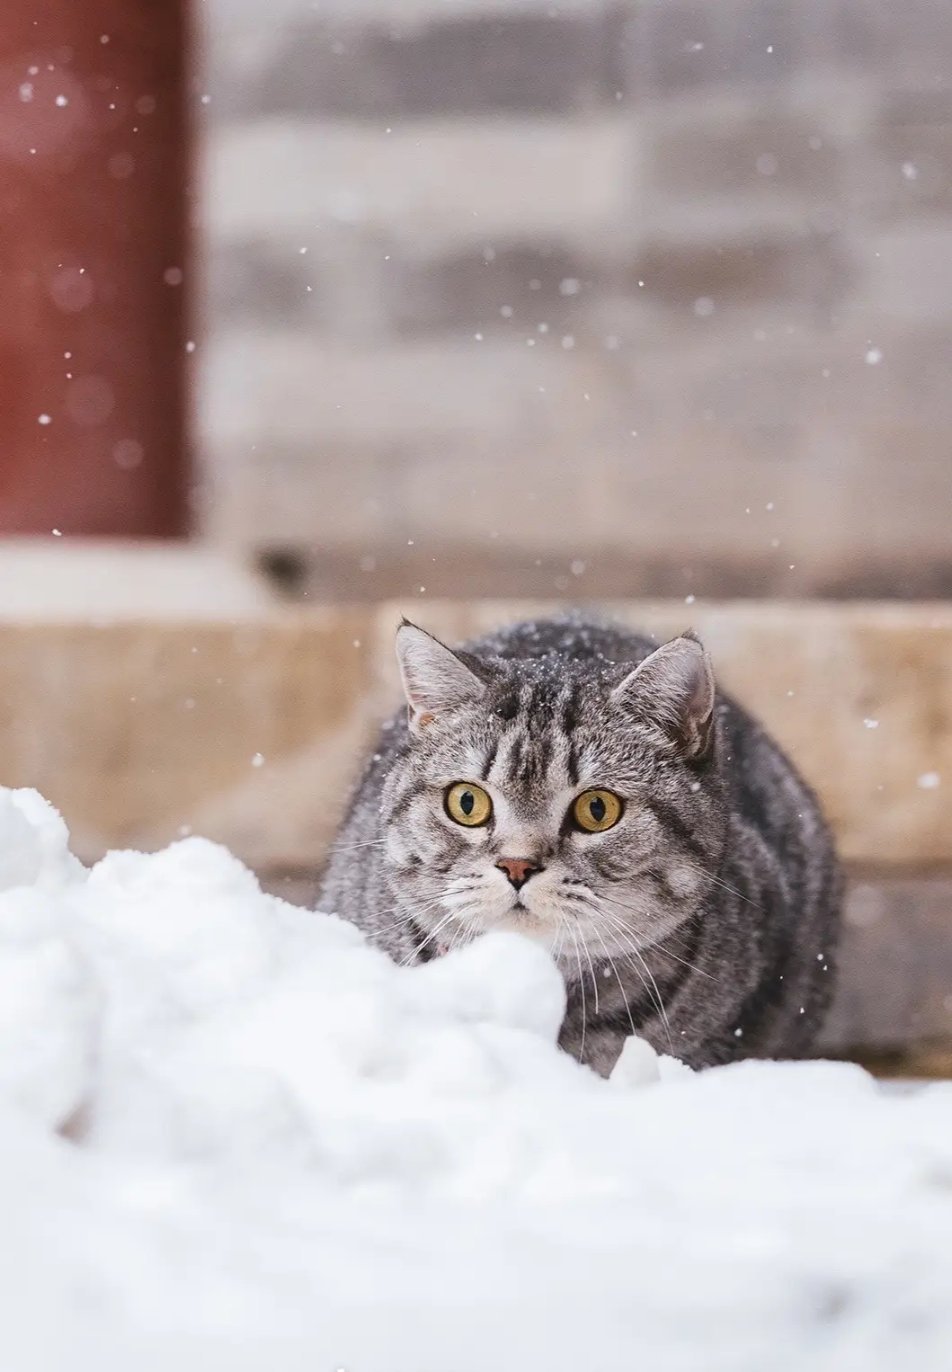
<point>518,915</point>
<point>516,918</point>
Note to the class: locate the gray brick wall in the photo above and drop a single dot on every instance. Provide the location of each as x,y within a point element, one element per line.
<point>614,295</point>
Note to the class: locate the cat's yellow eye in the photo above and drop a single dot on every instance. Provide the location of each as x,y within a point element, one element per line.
<point>468,804</point>
<point>596,811</point>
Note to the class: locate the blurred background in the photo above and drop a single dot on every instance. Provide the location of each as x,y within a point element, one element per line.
<point>492,296</point>
<point>316,310</point>
<point>608,298</point>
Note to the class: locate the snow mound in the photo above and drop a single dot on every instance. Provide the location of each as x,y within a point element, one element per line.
<point>231,1134</point>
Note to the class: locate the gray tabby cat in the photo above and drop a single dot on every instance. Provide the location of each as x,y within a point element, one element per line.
<point>571,781</point>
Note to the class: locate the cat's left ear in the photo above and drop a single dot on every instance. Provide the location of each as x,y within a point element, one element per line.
<point>434,677</point>
<point>674,690</point>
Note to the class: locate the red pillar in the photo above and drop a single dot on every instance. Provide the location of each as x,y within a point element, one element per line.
<point>93,270</point>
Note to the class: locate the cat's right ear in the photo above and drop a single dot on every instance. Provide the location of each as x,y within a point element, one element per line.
<point>434,677</point>
<point>673,688</point>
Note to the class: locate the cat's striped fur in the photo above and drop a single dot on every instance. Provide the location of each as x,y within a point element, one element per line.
<point>706,919</point>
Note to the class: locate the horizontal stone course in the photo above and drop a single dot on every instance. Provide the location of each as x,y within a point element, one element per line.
<point>165,714</point>
<point>379,61</point>
<point>736,147</point>
<point>278,388</point>
<point>468,181</point>
<point>895,979</point>
<point>533,61</point>
<point>483,287</point>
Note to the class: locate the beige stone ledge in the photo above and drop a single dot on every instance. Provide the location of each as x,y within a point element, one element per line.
<point>46,581</point>
<point>148,698</point>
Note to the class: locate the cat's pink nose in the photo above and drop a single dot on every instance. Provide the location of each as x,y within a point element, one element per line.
<point>518,870</point>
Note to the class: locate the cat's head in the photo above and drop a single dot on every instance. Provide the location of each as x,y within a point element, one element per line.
<point>576,802</point>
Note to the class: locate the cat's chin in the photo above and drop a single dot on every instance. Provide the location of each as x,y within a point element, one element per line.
<point>521,920</point>
<point>516,918</point>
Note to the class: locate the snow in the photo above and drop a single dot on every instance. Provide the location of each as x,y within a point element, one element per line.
<point>232,1135</point>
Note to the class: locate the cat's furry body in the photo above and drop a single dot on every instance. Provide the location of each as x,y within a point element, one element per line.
<point>706,919</point>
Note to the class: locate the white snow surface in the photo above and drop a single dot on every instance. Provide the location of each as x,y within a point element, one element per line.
<point>232,1135</point>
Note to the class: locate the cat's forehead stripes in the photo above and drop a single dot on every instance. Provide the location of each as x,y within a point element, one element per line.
<point>536,754</point>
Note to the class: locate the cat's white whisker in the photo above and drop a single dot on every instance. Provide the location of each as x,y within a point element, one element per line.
<point>616,924</point>
<point>611,963</point>
<point>581,982</point>
<point>591,966</point>
<point>414,953</point>
<point>657,945</point>
<point>560,930</point>
<point>724,885</point>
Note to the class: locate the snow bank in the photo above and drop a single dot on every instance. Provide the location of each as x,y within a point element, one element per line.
<point>231,1135</point>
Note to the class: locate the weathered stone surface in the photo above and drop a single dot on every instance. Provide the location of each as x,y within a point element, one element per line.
<point>392,570</point>
<point>487,391</point>
<point>731,147</point>
<point>530,61</point>
<point>681,46</point>
<point>907,275</point>
<point>439,182</point>
<point>809,272</point>
<point>141,733</point>
<point>908,44</point>
<point>779,466</point>
<point>912,174</point>
<point>484,286</point>
<point>895,978</point>
<point>250,280</point>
